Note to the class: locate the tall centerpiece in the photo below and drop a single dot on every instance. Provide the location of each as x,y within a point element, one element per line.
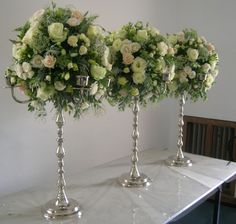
<point>142,65</point>
<point>196,70</point>
<point>60,57</point>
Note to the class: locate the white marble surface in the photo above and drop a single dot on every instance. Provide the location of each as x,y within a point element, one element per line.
<point>103,201</point>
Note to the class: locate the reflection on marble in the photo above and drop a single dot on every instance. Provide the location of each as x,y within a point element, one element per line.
<point>103,201</point>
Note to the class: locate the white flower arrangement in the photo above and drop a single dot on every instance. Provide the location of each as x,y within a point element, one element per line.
<point>141,59</point>
<point>54,48</point>
<point>196,63</point>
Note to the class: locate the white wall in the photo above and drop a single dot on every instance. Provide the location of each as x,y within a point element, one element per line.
<point>214,19</point>
<point>27,145</point>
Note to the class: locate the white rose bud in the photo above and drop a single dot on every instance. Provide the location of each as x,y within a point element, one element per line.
<point>26,67</point>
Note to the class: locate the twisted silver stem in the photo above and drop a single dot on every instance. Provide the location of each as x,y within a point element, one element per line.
<point>134,172</point>
<point>180,154</point>
<point>62,200</point>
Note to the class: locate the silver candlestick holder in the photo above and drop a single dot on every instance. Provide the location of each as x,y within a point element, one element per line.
<point>134,178</point>
<point>62,206</point>
<point>179,160</point>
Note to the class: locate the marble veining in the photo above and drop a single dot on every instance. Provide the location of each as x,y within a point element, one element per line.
<point>103,201</point>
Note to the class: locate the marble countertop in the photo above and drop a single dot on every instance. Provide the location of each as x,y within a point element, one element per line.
<point>104,201</point>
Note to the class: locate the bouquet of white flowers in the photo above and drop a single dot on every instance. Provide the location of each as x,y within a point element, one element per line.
<point>60,56</point>
<point>196,65</point>
<point>142,63</point>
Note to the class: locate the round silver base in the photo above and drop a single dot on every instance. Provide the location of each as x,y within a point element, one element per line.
<point>174,161</point>
<point>141,181</point>
<point>52,211</point>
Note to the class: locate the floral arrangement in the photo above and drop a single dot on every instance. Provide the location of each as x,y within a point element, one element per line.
<point>196,63</point>
<point>142,63</point>
<point>60,56</point>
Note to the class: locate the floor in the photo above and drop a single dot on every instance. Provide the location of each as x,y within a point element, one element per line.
<point>203,215</point>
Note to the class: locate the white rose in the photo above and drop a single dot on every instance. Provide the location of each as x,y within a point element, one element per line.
<point>73,21</point>
<point>142,35</point>
<point>117,44</point>
<point>128,59</point>
<point>163,48</point>
<point>209,80</point>
<point>77,14</point>
<point>139,65</point>
<point>18,69</point>
<point>94,31</point>
<point>37,16</point>
<point>49,61</point>
<point>188,70</point>
<point>59,85</point>
<point>30,74</point>
<point>182,77</point>
<point>192,54</point>
<point>93,89</point>
<point>26,67</point>
<point>37,61</point>
<point>206,67</point>
<point>56,32</point>
<point>138,77</point>
<point>126,49</point>
<point>210,47</point>
<point>72,41</point>
<point>29,35</point>
<point>98,72</point>
<point>135,47</point>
